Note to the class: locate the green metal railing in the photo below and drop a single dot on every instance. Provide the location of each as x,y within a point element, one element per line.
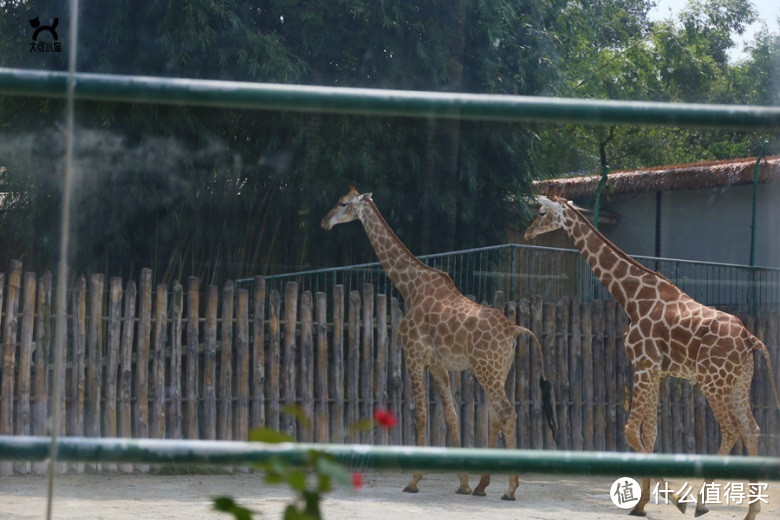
<point>151,451</point>
<point>375,102</point>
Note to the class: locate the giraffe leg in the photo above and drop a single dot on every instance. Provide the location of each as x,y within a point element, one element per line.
<point>649,434</point>
<point>442,380</point>
<point>416,376</point>
<point>641,426</point>
<point>502,418</point>
<point>509,427</point>
<point>723,407</point>
<point>748,426</point>
<point>493,429</point>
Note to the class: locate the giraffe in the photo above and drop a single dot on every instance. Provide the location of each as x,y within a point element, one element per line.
<point>442,330</point>
<point>669,334</point>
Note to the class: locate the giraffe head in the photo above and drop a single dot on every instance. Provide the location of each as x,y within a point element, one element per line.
<point>346,210</point>
<point>550,216</point>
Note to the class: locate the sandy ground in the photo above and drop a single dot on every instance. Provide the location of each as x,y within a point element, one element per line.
<point>116,497</point>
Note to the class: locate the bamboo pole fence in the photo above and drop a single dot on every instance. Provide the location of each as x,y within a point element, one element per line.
<point>203,362</point>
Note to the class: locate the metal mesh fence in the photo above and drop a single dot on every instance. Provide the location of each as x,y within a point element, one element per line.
<point>522,271</point>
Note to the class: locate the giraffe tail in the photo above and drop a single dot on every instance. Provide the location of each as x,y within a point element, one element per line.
<point>544,385</point>
<point>759,346</point>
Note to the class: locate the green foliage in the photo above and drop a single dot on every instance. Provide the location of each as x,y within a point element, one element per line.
<point>309,480</point>
<point>232,193</point>
<point>228,505</point>
<point>683,60</point>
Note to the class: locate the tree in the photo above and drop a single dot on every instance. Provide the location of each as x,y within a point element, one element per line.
<point>230,193</point>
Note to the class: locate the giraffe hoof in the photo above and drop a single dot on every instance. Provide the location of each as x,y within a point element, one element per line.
<point>636,512</point>
<point>701,511</point>
<point>478,493</point>
<point>683,506</point>
<point>508,497</point>
<point>410,489</point>
<point>463,491</point>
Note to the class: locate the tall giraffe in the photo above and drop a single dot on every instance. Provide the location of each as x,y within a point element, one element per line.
<point>443,330</point>
<point>669,334</point>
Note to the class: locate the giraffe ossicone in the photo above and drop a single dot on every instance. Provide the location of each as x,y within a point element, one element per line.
<point>669,334</point>
<point>444,331</point>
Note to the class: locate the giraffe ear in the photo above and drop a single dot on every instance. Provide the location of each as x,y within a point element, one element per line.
<point>365,196</point>
<point>546,203</point>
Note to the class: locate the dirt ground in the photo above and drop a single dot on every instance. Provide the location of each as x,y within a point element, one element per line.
<point>173,497</point>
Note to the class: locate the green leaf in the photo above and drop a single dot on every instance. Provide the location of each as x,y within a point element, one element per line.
<point>329,467</point>
<point>299,414</point>
<point>361,426</point>
<point>292,513</point>
<point>296,479</point>
<point>228,505</point>
<point>269,435</point>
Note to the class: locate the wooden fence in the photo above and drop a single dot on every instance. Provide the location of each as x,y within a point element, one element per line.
<point>145,361</point>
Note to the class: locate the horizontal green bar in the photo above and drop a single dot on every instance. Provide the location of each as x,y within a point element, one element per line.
<point>300,98</point>
<point>79,449</point>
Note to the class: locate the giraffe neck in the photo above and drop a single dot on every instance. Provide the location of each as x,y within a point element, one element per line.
<point>398,262</point>
<point>624,277</point>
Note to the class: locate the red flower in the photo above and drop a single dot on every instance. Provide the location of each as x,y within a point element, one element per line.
<point>385,418</point>
<point>357,480</point>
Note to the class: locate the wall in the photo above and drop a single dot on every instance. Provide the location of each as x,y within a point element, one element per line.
<point>710,225</point>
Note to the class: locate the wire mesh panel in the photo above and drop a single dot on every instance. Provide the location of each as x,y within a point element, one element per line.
<point>522,271</point>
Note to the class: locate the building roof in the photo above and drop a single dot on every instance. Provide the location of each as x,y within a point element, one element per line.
<point>667,178</point>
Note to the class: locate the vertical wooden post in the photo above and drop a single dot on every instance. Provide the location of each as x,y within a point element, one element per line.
<point>511,379</point>
<point>42,351</point>
<point>210,364</point>
<point>575,375</point>
<point>534,394</point>
<point>9,357</point>
<point>665,418</point>
<point>257,417</point>
<point>6,399</point>
<point>597,316</point>
<point>274,359</point>
<point>337,362</point>
<point>306,366</point>
<point>623,379</point>
<point>112,367</point>
<point>94,357</point>
<point>610,397</point>
<point>550,353</point>
<point>159,385</point>
<point>241,422</point>
<point>193,316</point>
<point>771,419</point>
<point>25,365</point>
<point>77,361</point>
<point>126,368</point>
<point>353,357</point>
<point>142,357</point>
<point>225,418</point>
<point>142,360</point>
<point>321,370</point>
<point>588,374</point>
<point>289,380</point>
<point>174,387</point>
<point>468,433</point>
<point>561,372</point>
<point>395,369</point>
<point>380,366</point>
<point>367,359</point>
<point>522,372</point>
